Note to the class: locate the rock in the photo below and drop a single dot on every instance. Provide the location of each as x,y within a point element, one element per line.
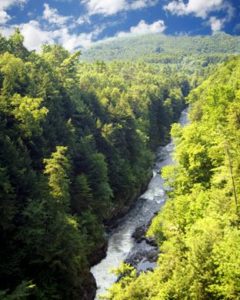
<point>142,252</point>
<point>90,287</point>
<point>98,254</point>
<point>119,212</point>
<point>152,255</point>
<point>134,259</point>
<point>139,233</point>
<point>151,241</point>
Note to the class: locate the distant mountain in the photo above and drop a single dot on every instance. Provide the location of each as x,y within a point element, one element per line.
<point>145,46</point>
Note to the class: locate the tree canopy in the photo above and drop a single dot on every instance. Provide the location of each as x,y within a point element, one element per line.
<point>198,229</point>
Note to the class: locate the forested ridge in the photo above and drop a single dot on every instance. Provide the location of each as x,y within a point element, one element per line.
<point>163,48</point>
<point>77,143</point>
<point>198,229</point>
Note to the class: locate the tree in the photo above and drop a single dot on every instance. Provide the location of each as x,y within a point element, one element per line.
<point>57,168</point>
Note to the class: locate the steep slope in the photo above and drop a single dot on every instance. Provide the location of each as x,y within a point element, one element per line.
<point>198,230</point>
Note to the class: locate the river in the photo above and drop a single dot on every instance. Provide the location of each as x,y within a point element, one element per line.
<point>121,244</point>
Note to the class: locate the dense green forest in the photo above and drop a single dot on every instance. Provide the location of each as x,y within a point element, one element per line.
<point>77,142</point>
<point>163,48</point>
<point>76,146</point>
<point>198,229</point>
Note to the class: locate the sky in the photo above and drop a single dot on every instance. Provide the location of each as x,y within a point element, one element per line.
<point>78,24</point>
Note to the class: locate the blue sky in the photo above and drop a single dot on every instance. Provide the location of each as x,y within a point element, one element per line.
<point>80,23</point>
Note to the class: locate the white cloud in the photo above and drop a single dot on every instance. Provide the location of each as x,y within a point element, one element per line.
<point>203,9</point>
<point>34,36</point>
<point>6,4</point>
<point>138,4</point>
<point>111,7</point>
<point>53,17</point>
<point>4,17</point>
<point>105,7</point>
<point>62,32</point>
<point>144,28</point>
<point>200,8</point>
<point>6,30</point>
<point>72,42</point>
<point>176,8</point>
<point>216,24</point>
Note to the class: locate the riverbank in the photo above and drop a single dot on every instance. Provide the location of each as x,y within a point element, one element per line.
<point>122,242</point>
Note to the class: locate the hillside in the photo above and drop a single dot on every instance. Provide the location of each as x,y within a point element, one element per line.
<point>146,46</point>
<point>198,229</point>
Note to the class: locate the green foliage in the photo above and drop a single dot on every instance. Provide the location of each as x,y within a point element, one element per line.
<point>29,113</point>
<point>57,168</point>
<point>198,229</point>
<point>13,74</point>
<point>21,292</point>
<point>81,193</point>
<point>76,143</point>
<point>164,49</point>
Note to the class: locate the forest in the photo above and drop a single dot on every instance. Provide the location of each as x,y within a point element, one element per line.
<point>77,143</point>
<point>164,47</point>
<point>198,229</point>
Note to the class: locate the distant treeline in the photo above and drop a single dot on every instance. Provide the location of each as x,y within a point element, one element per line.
<point>160,46</point>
